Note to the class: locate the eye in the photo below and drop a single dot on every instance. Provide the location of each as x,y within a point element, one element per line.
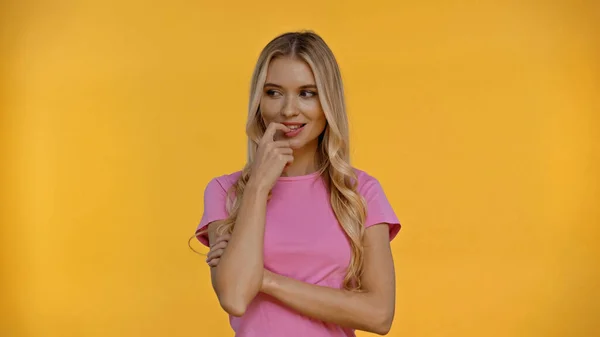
<point>307,93</point>
<point>273,93</point>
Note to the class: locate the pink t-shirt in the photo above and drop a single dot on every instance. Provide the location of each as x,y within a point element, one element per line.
<point>303,240</point>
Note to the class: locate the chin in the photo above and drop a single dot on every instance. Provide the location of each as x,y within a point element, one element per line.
<point>300,145</point>
<point>306,143</point>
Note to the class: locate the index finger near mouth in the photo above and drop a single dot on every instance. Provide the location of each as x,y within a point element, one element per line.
<point>271,129</point>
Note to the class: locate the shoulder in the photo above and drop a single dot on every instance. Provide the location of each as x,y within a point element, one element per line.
<point>366,182</point>
<point>223,182</point>
<point>379,209</point>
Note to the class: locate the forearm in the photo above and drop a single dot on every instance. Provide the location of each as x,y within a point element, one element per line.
<point>357,310</point>
<point>240,271</point>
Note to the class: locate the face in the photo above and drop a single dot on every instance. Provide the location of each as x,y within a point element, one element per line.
<point>290,97</point>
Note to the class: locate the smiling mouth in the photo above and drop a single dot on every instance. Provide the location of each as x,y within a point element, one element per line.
<point>295,127</point>
<point>295,130</point>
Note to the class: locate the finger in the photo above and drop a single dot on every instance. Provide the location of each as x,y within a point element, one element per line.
<point>291,143</point>
<point>222,244</point>
<point>271,129</point>
<point>224,237</point>
<point>285,150</point>
<point>214,253</point>
<point>288,159</point>
<point>213,262</point>
<point>279,135</point>
<point>219,240</point>
<point>280,143</point>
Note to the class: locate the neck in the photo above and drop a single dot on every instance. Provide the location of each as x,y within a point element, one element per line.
<point>305,161</point>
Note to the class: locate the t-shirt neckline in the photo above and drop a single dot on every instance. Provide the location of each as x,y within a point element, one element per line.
<point>301,177</point>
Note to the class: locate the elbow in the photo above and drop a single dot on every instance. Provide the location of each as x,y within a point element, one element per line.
<point>233,306</point>
<point>235,297</point>
<point>235,303</point>
<point>382,329</point>
<point>383,323</point>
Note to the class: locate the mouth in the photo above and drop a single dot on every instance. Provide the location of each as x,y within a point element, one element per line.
<point>295,126</point>
<point>295,129</point>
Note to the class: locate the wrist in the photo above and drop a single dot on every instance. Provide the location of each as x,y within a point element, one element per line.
<point>256,189</point>
<point>268,282</point>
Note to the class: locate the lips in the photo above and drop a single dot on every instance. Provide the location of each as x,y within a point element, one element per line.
<point>295,129</point>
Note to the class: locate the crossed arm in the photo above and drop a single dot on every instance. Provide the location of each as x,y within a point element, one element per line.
<point>370,310</point>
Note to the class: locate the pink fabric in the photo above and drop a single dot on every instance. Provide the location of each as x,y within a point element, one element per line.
<point>303,240</point>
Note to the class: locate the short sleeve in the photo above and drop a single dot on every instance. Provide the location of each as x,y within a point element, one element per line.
<point>215,201</point>
<point>379,209</point>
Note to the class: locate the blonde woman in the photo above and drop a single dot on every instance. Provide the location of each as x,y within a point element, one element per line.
<point>299,239</point>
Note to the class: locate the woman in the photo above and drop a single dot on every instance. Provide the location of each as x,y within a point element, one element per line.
<point>299,238</point>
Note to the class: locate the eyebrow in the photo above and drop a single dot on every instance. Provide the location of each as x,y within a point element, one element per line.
<point>306,86</point>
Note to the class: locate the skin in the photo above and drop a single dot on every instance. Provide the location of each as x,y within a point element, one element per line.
<point>236,260</point>
<point>290,95</point>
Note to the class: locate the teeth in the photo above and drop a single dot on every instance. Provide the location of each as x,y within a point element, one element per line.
<point>294,127</point>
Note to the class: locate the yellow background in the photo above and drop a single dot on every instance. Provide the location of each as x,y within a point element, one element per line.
<point>481,120</point>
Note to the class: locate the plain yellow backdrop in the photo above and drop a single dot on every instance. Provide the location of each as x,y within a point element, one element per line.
<point>480,118</point>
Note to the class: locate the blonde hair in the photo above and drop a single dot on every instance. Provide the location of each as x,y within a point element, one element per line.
<point>333,155</point>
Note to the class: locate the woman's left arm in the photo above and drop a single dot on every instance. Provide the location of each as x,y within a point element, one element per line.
<point>371,310</point>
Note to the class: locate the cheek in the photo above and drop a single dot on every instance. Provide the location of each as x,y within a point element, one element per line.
<point>269,108</point>
<point>312,109</point>
<point>318,120</point>
<point>321,124</point>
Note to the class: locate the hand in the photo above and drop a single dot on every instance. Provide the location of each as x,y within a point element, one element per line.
<point>271,157</point>
<point>217,250</point>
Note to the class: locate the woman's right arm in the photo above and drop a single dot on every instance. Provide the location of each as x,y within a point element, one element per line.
<point>238,277</point>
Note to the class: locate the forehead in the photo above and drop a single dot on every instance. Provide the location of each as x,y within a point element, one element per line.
<point>289,72</point>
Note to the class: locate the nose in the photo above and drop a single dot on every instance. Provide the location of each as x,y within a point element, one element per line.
<point>290,108</point>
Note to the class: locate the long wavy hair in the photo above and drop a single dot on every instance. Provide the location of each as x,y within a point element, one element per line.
<point>333,155</point>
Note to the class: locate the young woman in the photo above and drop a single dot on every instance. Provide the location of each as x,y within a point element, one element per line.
<point>299,239</point>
